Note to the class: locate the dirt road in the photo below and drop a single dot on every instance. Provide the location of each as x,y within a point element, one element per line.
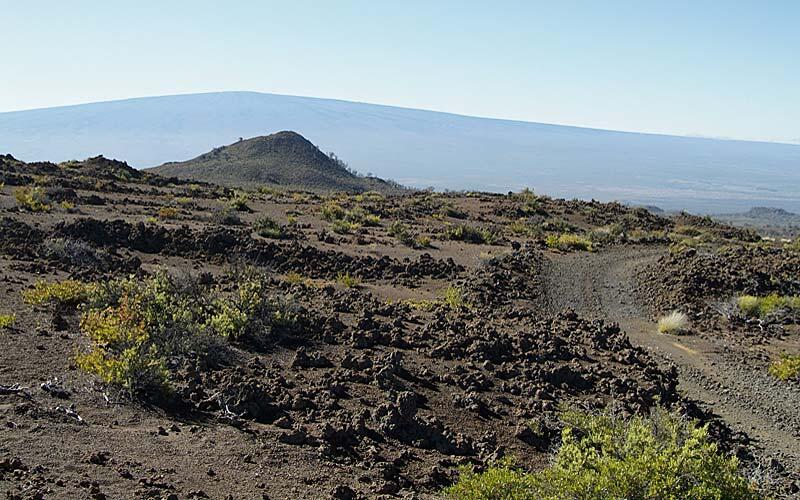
<point>603,285</point>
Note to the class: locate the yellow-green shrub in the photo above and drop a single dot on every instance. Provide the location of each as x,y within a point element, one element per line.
<point>786,368</point>
<point>761,307</point>
<point>470,234</point>
<point>121,353</point>
<point>32,199</point>
<point>603,456</point>
<point>347,280</point>
<point>567,242</point>
<point>67,292</point>
<point>7,320</point>
<point>168,213</point>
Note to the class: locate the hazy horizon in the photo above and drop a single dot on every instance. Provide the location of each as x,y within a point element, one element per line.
<point>423,148</point>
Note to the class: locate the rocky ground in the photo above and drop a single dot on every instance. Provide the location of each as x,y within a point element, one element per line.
<point>432,331</point>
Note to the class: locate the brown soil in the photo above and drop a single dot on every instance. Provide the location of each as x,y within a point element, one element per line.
<point>378,393</point>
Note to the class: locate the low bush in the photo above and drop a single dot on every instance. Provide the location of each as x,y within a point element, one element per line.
<point>239,203</point>
<point>605,456</point>
<point>226,216</point>
<point>68,292</point>
<point>332,212</point>
<point>344,221</point>
<point>674,323</point>
<point>786,368</point>
<point>32,199</point>
<point>453,297</point>
<point>400,231</point>
<point>135,326</point>
<point>567,242</point>
<point>168,213</point>
<point>344,227</point>
<point>763,307</point>
<point>269,228</point>
<point>470,234</point>
<point>7,320</point>
<point>347,280</point>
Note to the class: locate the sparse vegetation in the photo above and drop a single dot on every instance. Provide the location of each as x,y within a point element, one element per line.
<point>786,368</point>
<point>134,326</point>
<point>7,320</point>
<point>344,227</point>
<point>674,323</point>
<point>764,307</point>
<point>400,231</point>
<point>168,213</point>
<point>67,292</point>
<point>347,280</point>
<point>346,221</point>
<point>239,202</point>
<point>226,216</point>
<point>32,199</point>
<point>453,297</point>
<point>269,228</point>
<point>568,242</point>
<point>470,234</point>
<point>605,456</point>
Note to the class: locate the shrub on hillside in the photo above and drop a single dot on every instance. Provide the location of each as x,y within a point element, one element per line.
<point>568,242</point>
<point>269,228</point>
<point>470,234</point>
<point>32,199</point>
<point>763,307</point>
<point>786,368</point>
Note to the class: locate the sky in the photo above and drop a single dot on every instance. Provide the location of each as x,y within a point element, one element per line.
<point>709,68</point>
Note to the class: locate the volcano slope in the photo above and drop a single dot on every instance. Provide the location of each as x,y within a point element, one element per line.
<point>206,342</point>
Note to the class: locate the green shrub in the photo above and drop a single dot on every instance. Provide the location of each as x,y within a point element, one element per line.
<point>763,307</point>
<point>347,280</point>
<point>7,320</point>
<point>786,368</point>
<point>567,242</point>
<point>134,326</point>
<point>530,202</point>
<point>470,234</point>
<point>32,199</point>
<point>400,231</point>
<point>68,292</point>
<point>168,213</point>
<point>268,228</point>
<point>603,456</point>
<point>226,216</point>
<point>239,203</point>
<point>453,297</point>
<point>332,212</point>
<point>344,227</point>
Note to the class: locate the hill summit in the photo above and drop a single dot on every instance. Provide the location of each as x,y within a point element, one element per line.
<point>282,159</point>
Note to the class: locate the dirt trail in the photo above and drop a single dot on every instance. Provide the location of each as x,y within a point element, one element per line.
<point>603,285</point>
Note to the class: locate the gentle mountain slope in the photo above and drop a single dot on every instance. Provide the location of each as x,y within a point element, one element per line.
<point>425,148</point>
<point>283,159</point>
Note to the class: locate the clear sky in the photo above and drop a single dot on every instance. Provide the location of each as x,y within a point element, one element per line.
<point>714,68</point>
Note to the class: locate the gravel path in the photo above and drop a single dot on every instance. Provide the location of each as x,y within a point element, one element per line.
<point>603,285</point>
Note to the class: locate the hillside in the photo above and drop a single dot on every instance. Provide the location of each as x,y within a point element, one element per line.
<point>768,221</point>
<point>281,159</point>
<point>178,339</point>
<point>425,148</point>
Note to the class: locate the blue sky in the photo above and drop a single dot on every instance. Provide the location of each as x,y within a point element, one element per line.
<point>714,68</point>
